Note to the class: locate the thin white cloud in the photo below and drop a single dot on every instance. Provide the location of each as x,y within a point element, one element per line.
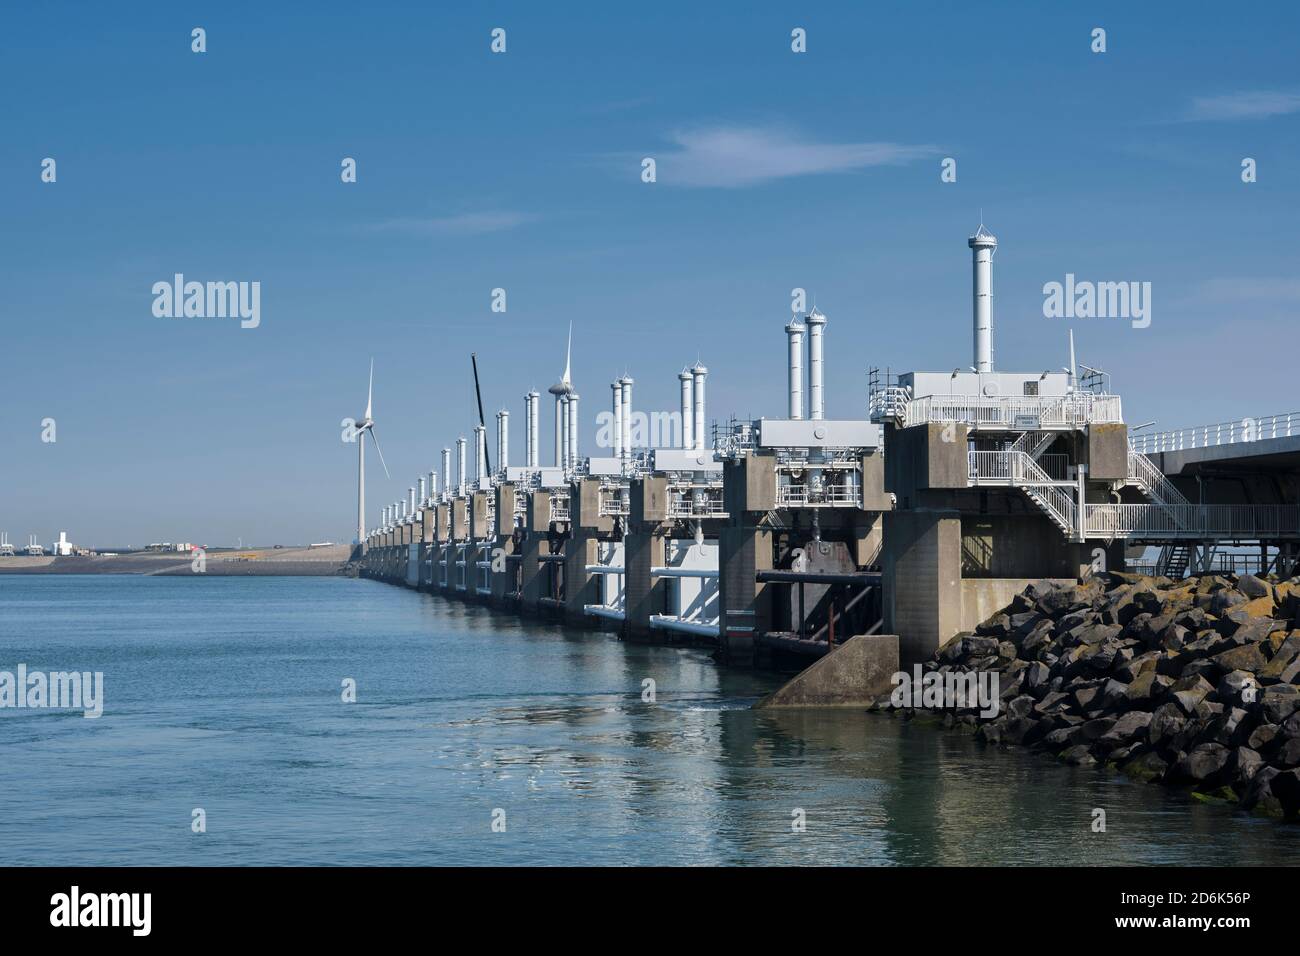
<point>463,224</point>
<point>1254,104</point>
<point>738,156</point>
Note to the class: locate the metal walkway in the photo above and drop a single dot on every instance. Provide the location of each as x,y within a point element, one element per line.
<point>1168,516</point>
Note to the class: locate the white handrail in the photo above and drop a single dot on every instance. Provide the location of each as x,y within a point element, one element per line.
<point>1243,522</point>
<point>1074,410</point>
<point>1019,469</point>
<point>1142,470</point>
<point>1221,433</point>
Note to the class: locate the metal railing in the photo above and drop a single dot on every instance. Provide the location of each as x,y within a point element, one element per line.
<point>733,440</point>
<point>1056,467</point>
<point>1152,480</point>
<point>1223,433</point>
<point>1198,522</point>
<point>1017,469</point>
<point>614,506</point>
<point>614,501</point>
<point>1218,563</point>
<point>888,403</point>
<point>828,495</point>
<point>1015,413</point>
<point>696,501</point>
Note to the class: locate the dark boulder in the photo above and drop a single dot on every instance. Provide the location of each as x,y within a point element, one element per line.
<point>1190,691</point>
<point>1128,728</point>
<point>1036,677</point>
<point>1263,737</point>
<point>996,626</point>
<point>1259,794</point>
<point>1167,721</point>
<point>1253,587</point>
<point>1247,657</point>
<point>1147,765</point>
<point>1235,685</point>
<point>1242,767</point>
<point>1288,755</point>
<point>1279,702</point>
<point>1286,788</point>
<point>1079,756</point>
<point>1203,764</point>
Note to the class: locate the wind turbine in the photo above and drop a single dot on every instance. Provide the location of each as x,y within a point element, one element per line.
<point>561,390</point>
<point>367,424</point>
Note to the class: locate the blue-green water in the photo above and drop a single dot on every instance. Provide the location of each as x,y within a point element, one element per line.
<point>225,694</point>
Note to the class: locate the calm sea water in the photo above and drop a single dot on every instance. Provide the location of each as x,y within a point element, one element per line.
<point>225,694</point>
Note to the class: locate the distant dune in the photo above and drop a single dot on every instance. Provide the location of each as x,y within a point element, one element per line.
<point>249,561</point>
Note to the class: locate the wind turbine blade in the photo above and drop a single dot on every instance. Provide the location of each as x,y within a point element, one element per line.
<point>375,438</point>
<point>370,392</point>
<point>568,353</point>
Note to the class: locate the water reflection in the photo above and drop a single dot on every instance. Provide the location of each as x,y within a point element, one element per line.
<point>224,694</point>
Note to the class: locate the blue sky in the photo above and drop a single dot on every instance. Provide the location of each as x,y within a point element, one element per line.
<point>475,171</point>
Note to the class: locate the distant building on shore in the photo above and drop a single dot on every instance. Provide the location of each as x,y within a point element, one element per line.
<point>168,546</point>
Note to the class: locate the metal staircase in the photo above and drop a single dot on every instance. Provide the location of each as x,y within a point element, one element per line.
<point>1152,481</point>
<point>1174,560</point>
<point>1017,469</point>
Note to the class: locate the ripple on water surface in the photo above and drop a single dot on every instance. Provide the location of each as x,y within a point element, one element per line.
<point>225,694</point>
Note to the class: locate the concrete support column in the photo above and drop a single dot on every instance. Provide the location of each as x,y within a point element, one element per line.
<point>459,519</point>
<point>447,572</point>
<point>536,544</point>
<point>503,577</point>
<point>505,574</point>
<point>428,545</point>
<point>744,603</point>
<point>922,600</point>
<point>580,588</point>
<point>869,538</point>
<point>478,517</point>
<point>643,550</point>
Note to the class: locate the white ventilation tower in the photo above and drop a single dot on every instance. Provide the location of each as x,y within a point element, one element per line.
<point>530,426</point>
<point>625,426</point>
<point>616,398</point>
<point>795,331</point>
<point>816,364</point>
<point>558,390</point>
<point>420,496</point>
<point>699,371</point>
<point>573,430</point>
<point>982,245</point>
<point>503,440</point>
<point>446,471</point>
<point>688,432</point>
<point>410,501</point>
<point>480,453</point>
<point>433,487</point>
<point>564,441</point>
<point>460,465</point>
